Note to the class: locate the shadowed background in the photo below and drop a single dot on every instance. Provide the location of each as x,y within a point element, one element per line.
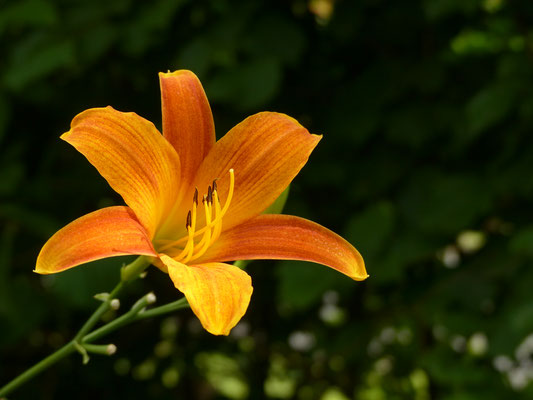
<point>425,166</point>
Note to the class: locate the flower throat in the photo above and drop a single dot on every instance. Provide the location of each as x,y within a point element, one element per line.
<point>214,212</point>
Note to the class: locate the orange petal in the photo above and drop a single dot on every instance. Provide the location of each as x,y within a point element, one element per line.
<point>187,120</point>
<point>133,157</point>
<point>266,150</point>
<point>288,238</point>
<point>109,232</point>
<point>218,293</point>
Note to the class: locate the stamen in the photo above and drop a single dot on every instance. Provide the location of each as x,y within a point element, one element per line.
<point>226,204</point>
<point>191,220</point>
<point>190,241</point>
<point>191,225</point>
<point>230,191</point>
<point>206,239</point>
<point>218,218</point>
<point>213,223</point>
<point>209,195</point>
<point>188,223</point>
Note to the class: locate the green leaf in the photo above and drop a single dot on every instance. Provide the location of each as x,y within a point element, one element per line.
<point>76,287</point>
<point>279,203</point>
<point>370,230</point>
<point>248,86</point>
<point>490,106</point>
<point>11,176</point>
<point>444,204</point>
<point>28,13</point>
<point>5,113</point>
<point>302,284</point>
<point>196,56</point>
<point>32,220</point>
<point>269,32</point>
<point>522,241</point>
<point>40,61</point>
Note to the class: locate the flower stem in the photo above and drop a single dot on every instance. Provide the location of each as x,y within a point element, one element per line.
<point>136,313</point>
<point>38,368</point>
<point>120,321</point>
<point>93,319</point>
<point>104,349</point>
<point>134,269</point>
<point>84,337</point>
<point>165,309</point>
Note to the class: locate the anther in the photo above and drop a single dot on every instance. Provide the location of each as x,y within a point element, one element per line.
<point>209,195</point>
<point>189,220</point>
<point>191,248</point>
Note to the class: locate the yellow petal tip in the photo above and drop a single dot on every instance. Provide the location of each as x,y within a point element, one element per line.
<point>42,271</point>
<point>64,136</point>
<point>360,278</point>
<point>176,73</point>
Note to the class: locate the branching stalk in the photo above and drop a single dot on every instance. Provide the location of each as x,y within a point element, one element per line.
<point>82,342</point>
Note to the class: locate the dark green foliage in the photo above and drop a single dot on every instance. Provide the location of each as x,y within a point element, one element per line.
<point>425,166</point>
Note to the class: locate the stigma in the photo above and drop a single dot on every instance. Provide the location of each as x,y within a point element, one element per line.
<point>197,241</point>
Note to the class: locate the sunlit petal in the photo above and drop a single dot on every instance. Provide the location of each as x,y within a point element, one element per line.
<point>218,293</point>
<point>289,238</point>
<point>133,157</point>
<point>109,232</point>
<point>187,120</point>
<point>266,151</point>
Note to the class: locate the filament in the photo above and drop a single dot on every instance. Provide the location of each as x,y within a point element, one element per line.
<point>214,213</point>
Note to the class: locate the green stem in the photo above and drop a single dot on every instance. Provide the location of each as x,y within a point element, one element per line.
<point>38,368</point>
<point>93,319</point>
<point>136,268</point>
<point>241,263</point>
<point>136,313</point>
<point>120,321</point>
<point>165,309</point>
<point>104,349</point>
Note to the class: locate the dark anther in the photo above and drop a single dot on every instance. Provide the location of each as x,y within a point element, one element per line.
<point>215,185</point>
<point>195,197</point>
<point>189,222</point>
<point>204,199</point>
<point>209,195</point>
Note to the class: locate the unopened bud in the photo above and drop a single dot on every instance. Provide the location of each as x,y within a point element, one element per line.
<point>150,298</point>
<point>115,304</point>
<point>101,296</point>
<point>111,349</point>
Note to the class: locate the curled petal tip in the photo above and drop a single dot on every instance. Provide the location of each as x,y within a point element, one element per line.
<point>360,277</point>
<point>276,237</point>
<point>176,73</point>
<point>356,268</point>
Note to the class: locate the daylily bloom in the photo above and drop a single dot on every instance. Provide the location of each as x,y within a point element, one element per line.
<point>194,203</point>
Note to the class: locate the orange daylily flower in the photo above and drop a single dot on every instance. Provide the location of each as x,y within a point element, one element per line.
<point>194,203</point>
